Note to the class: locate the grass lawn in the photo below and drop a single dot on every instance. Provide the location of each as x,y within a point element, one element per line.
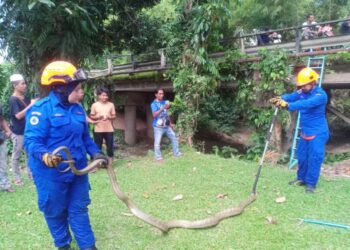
<point>199,178</point>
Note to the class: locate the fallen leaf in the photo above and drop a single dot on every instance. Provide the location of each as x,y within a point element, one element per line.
<point>194,169</point>
<point>209,212</point>
<point>271,220</point>
<point>178,197</point>
<point>129,164</point>
<point>281,199</point>
<point>146,195</point>
<point>255,209</point>
<point>221,196</point>
<point>127,214</point>
<point>29,212</point>
<point>173,185</point>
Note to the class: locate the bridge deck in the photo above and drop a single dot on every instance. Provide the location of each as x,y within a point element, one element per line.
<point>316,45</point>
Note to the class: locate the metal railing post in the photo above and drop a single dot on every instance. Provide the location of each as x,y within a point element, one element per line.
<point>133,62</point>
<point>109,66</point>
<point>297,40</point>
<point>162,58</point>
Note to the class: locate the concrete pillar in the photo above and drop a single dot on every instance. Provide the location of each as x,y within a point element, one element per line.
<point>162,59</point>
<point>130,124</point>
<point>109,66</point>
<point>150,133</point>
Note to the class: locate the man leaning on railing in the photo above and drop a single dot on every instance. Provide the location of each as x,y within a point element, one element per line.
<point>310,32</point>
<point>345,27</point>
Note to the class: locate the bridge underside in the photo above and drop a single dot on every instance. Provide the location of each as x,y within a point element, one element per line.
<point>331,81</point>
<point>336,81</point>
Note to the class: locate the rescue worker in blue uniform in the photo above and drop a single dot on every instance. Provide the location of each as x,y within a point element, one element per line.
<point>310,100</point>
<point>58,120</point>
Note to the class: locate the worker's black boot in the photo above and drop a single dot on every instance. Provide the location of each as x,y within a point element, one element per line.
<point>91,248</point>
<point>66,247</point>
<point>310,189</point>
<point>296,182</point>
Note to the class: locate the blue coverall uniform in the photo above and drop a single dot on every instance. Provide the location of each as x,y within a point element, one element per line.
<point>314,132</point>
<point>62,197</point>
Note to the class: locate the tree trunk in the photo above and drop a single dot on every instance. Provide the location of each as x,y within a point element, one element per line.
<point>277,137</point>
<point>187,10</point>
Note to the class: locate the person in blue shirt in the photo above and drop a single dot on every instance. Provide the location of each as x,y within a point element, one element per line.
<point>59,120</point>
<point>162,125</point>
<point>310,100</point>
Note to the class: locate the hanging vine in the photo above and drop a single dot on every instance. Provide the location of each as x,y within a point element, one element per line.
<point>195,75</point>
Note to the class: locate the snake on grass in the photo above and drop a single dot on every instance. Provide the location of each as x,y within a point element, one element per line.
<point>164,226</point>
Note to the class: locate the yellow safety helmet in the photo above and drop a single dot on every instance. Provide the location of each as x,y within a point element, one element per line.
<point>306,76</point>
<point>61,72</point>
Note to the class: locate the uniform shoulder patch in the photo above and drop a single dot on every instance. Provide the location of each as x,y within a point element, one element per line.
<point>34,120</point>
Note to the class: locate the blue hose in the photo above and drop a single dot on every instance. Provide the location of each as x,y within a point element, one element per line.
<point>324,223</point>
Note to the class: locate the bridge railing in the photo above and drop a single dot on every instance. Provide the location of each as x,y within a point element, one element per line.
<point>291,39</point>
<point>295,39</point>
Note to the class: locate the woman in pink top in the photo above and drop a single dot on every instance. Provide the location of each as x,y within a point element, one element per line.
<point>103,111</point>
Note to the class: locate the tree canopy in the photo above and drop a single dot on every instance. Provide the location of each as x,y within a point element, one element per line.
<point>36,32</point>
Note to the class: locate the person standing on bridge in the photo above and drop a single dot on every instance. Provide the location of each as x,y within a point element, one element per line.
<point>345,27</point>
<point>54,121</point>
<point>310,32</point>
<point>310,100</point>
<point>162,125</point>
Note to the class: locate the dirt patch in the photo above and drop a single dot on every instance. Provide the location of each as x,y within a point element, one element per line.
<point>339,169</point>
<point>137,150</point>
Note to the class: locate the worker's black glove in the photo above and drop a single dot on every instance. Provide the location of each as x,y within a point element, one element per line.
<point>51,160</point>
<point>100,156</point>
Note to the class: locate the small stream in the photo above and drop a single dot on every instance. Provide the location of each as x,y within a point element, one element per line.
<point>206,144</point>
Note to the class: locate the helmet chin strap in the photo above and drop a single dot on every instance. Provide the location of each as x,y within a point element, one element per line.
<point>63,91</point>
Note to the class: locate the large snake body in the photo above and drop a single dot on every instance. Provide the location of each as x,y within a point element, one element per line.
<point>164,226</point>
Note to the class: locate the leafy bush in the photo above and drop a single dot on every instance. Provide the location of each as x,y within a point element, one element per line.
<point>219,113</point>
<point>225,151</point>
<point>332,158</point>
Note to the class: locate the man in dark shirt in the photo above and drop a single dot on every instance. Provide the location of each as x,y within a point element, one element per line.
<point>345,27</point>
<point>19,104</point>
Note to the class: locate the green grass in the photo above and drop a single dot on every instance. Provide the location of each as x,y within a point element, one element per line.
<point>199,178</point>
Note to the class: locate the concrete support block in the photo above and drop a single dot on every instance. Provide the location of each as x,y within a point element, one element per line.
<point>130,124</point>
<point>150,133</point>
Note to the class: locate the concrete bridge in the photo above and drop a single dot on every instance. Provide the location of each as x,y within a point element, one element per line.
<point>137,94</point>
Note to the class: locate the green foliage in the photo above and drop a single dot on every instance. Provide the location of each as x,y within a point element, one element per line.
<point>218,113</point>
<point>225,151</point>
<point>260,14</point>
<point>163,12</point>
<point>6,89</point>
<point>332,158</point>
<point>249,98</point>
<point>199,178</point>
<point>340,57</point>
<point>195,75</point>
<point>37,32</point>
<point>275,71</point>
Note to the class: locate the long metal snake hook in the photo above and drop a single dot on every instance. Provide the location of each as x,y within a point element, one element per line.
<point>274,118</point>
<point>163,226</point>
